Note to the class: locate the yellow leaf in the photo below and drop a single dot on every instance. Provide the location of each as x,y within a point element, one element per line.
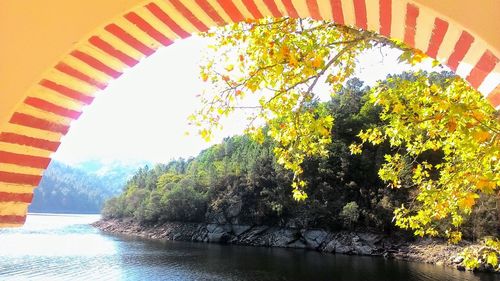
<point>318,60</point>
<point>205,134</point>
<point>478,116</point>
<point>435,63</point>
<point>285,50</point>
<point>355,148</point>
<point>469,201</point>
<point>486,186</point>
<point>452,125</point>
<point>434,88</point>
<point>492,259</point>
<point>398,108</point>
<point>481,136</point>
<point>299,195</point>
<point>454,237</point>
<point>293,61</point>
<point>417,57</point>
<point>204,77</point>
<point>252,87</point>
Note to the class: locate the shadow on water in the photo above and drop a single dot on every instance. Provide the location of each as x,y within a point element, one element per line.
<point>67,248</point>
<point>200,261</point>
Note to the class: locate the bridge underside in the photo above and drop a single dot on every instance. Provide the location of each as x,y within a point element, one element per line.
<point>57,55</point>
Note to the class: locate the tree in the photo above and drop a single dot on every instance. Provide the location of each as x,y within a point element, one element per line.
<point>444,116</point>
<point>350,214</point>
<point>427,116</point>
<point>281,62</point>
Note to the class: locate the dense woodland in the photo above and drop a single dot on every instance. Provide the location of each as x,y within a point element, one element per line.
<point>66,189</point>
<point>431,138</point>
<point>240,182</point>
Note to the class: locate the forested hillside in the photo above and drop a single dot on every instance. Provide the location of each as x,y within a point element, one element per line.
<point>240,182</point>
<point>66,189</point>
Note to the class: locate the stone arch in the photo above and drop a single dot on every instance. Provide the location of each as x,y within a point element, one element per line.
<point>44,113</point>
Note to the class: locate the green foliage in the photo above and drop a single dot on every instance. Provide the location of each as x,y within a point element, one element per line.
<point>427,117</point>
<point>280,62</point>
<point>113,208</point>
<point>240,180</point>
<point>184,203</point>
<point>445,137</point>
<point>174,196</point>
<point>350,213</point>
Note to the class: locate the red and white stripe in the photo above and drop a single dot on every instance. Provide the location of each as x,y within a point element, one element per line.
<point>37,125</point>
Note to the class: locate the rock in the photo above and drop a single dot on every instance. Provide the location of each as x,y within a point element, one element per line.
<point>297,244</point>
<point>387,255</point>
<point>315,238</point>
<point>457,260</point>
<point>341,243</point>
<point>218,233</point>
<point>176,236</point>
<point>364,250</point>
<point>359,246</point>
<point>343,249</point>
<point>481,267</point>
<point>370,238</point>
<point>216,237</point>
<point>253,236</point>
<point>212,227</point>
<point>330,246</point>
<point>238,229</point>
<point>200,234</point>
<point>283,237</point>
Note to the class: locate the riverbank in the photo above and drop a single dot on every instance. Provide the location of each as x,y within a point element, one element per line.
<point>343,242</point>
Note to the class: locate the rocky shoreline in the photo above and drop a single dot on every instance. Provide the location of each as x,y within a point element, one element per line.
<point>343,242</point>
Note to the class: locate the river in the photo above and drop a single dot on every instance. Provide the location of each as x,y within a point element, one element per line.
<point>66,247</point>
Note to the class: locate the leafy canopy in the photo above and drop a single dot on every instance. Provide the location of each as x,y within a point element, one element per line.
<point>424,115</point>
<point>280,63</point>
<point>445,136</point>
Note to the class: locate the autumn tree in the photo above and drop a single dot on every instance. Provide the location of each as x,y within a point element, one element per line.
<point>445,117</point>
<point>280,62</point>
<point>285,64</point>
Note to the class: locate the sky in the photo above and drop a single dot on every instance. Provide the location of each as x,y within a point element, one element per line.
<point>142,116</point>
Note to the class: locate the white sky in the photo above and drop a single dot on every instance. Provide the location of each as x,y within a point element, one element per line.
<point>142,116</point>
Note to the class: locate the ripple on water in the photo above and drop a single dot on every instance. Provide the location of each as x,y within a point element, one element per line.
<point>67,248</point>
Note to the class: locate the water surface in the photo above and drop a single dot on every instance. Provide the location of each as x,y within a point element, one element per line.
<point>66,247</point>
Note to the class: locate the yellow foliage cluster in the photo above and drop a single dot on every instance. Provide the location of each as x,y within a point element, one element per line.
<point>446,116</point>
<point>282,60</point>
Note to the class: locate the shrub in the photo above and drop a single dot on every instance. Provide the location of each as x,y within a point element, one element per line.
<point>350,214</point>
<point>184,203</point>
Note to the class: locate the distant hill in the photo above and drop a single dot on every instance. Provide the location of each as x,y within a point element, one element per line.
<point>113,174</point>
<point>81,189</point>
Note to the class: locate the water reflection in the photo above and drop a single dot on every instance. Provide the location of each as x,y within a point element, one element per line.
<point>67,248</point>
<point>54,247</point>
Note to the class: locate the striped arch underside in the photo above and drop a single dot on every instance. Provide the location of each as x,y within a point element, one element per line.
<point>36,127</point>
